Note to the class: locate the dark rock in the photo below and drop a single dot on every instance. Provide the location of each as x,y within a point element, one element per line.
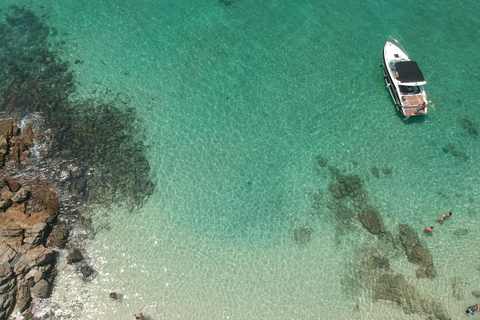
<point>14,185</point>
<point>74,256</point>
<point>460,232</point>
<point>302,235</point>
<point>372,221</point>
<point>59,236</point>
<point>87,272</point>
<point>420,256</point>
<point>21,195</point>
<point>41,289</point>
<point>336,191</point>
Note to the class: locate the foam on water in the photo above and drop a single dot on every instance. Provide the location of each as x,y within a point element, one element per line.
<point>237,103</point>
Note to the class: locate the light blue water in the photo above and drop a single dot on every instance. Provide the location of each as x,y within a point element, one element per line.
<point>237,102</point>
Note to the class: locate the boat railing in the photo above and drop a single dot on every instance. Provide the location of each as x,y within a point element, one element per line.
<point>401,47</point>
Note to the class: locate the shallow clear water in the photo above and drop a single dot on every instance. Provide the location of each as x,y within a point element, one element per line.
<point>237,102</point>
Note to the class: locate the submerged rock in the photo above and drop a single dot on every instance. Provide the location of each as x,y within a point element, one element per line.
<point>302,235</point>
<point>74,256</point>
<point>372,222</point>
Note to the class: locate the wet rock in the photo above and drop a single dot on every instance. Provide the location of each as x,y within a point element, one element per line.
<point>34,257</point>
<point>460,232</point>
<point>41,289</point>
<point>87,272</point>
<point>21,195</point>
<point>375,172</point>
<point>45,201</point>
<point>372,221</point>
<point>302,235</point>
<point>74,256</point>
<point>59,236</point>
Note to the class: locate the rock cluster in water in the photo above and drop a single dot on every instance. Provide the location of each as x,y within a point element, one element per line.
<point>96,149</point>
<point>351,212</point>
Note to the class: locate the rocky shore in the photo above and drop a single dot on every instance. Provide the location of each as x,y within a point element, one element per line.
<point>29,208</point>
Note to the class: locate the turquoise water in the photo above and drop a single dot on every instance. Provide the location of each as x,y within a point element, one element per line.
<point>237,102</point>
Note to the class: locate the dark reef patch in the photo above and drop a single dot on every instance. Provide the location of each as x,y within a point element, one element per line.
<point>95,148</point>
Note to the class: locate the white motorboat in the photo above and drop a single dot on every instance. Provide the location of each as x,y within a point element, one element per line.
<point>404,80</point>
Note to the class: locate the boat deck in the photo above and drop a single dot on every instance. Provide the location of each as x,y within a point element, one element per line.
<point>412,100</point>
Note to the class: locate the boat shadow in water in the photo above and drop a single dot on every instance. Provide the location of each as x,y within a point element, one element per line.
<point>411,120</point>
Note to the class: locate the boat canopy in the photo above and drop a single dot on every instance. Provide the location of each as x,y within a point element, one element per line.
<point>409,73</point>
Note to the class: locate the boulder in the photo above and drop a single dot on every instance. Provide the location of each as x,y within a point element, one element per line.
<point>21,195</point>
<point>41,289</point>
<point>372,221</point>
<point>46,201</point>
<point>87,272</point>
<point>74,256</point>
<point>301,235</point>
<point>59,236</point>
<point>336,191</point>
<point>476,293</point>
<point>34,235</point>
<point>23,297</point>
<point>7,128</point>
<point>420,256</point>
<point>5,193</point>
<point>34,257</point>
<point>28,135</point>
<point>431,272</point>
<point>6,252</point>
